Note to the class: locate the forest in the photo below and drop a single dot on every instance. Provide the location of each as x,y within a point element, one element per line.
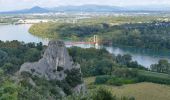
<point>154,35</point>
<point>108,69</point>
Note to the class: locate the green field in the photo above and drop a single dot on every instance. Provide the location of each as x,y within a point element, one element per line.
<point>154,74</point>
<point>141,91</point>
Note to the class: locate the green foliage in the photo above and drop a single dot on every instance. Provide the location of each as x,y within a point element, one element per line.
<point>65,30</point>
<point>102,79</point>
<point>154,35</point>
<point>112,80</point>
<point>65,86</point>
<point>102,94</point>
<point>13,54</point>
<point>8,90</point>
<point>146,76</point>
<point>162,67</point>
<point>100,62</point>
<point>126,98</point>
<point>125,72</point>
<point>127,61</point>
<point>120,81</point>
<point>74,77</point>
<point>92,61</point>
<point>146,35</point>
<point>97,94</point>
<point>8,68</point>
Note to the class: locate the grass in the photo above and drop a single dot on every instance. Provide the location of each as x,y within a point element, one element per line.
<point>154,74</point>
<point>141,91</point>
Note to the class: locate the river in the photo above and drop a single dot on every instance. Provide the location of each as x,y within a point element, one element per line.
<point>143,57</point>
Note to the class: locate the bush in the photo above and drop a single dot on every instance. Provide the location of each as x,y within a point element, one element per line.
<point>102,79</point>
<point>126,98</point>
<point>119,81</point>
<point>111,80</point>
<point>103,94</point>
<point>73,77</point>
<point>154,79</point>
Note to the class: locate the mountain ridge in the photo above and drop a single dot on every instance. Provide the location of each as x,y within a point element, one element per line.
<point>89,8</point>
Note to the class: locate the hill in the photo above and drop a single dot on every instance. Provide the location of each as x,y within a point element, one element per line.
<point>87,8</point>
<point>141,91</point>
<point>35,9</point>
<point>91,8</point>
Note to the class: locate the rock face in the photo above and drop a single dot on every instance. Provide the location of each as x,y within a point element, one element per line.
<point>53,64</point>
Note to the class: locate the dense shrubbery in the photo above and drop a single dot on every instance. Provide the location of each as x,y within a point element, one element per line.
<point>143,78</point>
<point>98,94</point>
<point>93,62</point>
<point>100,62</point>
<point>117,81</point>
<point>147,76</point>
<point>147,35</point>
<point>119,70</point>
<point>63,30</point>
<point>13,54</point>
<point>103,94</point>
<point>74,77</point>
<point>113,80</point>
<point>163,66</point>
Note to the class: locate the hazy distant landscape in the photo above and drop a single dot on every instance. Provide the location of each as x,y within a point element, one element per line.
<point>85,51</point>
<point>91,8</point>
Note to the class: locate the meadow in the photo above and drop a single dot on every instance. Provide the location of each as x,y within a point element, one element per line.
<point>140,91</point>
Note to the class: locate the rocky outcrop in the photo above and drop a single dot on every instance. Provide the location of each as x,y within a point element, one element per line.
<point>53,65</point>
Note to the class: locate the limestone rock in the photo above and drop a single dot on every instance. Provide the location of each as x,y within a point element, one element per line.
<point>53,64</point>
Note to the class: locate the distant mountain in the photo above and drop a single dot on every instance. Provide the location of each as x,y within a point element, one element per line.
<point>87,8</point>
<point>91,8</point>
<point>35,9</point>
<point>149,8</point>
<point>83,8</point>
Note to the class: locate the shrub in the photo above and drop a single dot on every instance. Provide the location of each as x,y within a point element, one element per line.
<point>73,77</point>
<point>120,81</point>
<point>103,94</point>
<point>102,79</point>
<point>111,80</point>
<point>154,79</point>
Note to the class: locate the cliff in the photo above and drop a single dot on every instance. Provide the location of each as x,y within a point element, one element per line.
<point>56,64</point>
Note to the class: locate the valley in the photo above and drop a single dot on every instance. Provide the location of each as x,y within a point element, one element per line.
<point>62,53</point>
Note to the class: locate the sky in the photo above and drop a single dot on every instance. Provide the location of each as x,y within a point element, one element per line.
<point>7,5</point>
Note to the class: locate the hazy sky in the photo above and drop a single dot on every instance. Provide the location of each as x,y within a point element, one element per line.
<point>6,5</point>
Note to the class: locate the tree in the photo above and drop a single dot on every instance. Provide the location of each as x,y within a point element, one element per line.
<point>103,67</point>
<point>8,68</point>
<point>162,67</point>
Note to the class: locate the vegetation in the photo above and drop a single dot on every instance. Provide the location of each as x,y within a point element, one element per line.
<point>139,91</point>
<point>111,80</point>
<point>65,31</point>
<point>117,70</point>
<point>154,35</point>
<point>13,54</point>
<point>99,62</point>
<point>162,67</point>
<point>103,94</point>
<point>98,94</point>
<point>121,69</point>
<point>73,77</point>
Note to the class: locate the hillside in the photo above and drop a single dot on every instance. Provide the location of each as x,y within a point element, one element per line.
<point>141,91</point>
<point>35,9</point>
<point>90,8</point>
